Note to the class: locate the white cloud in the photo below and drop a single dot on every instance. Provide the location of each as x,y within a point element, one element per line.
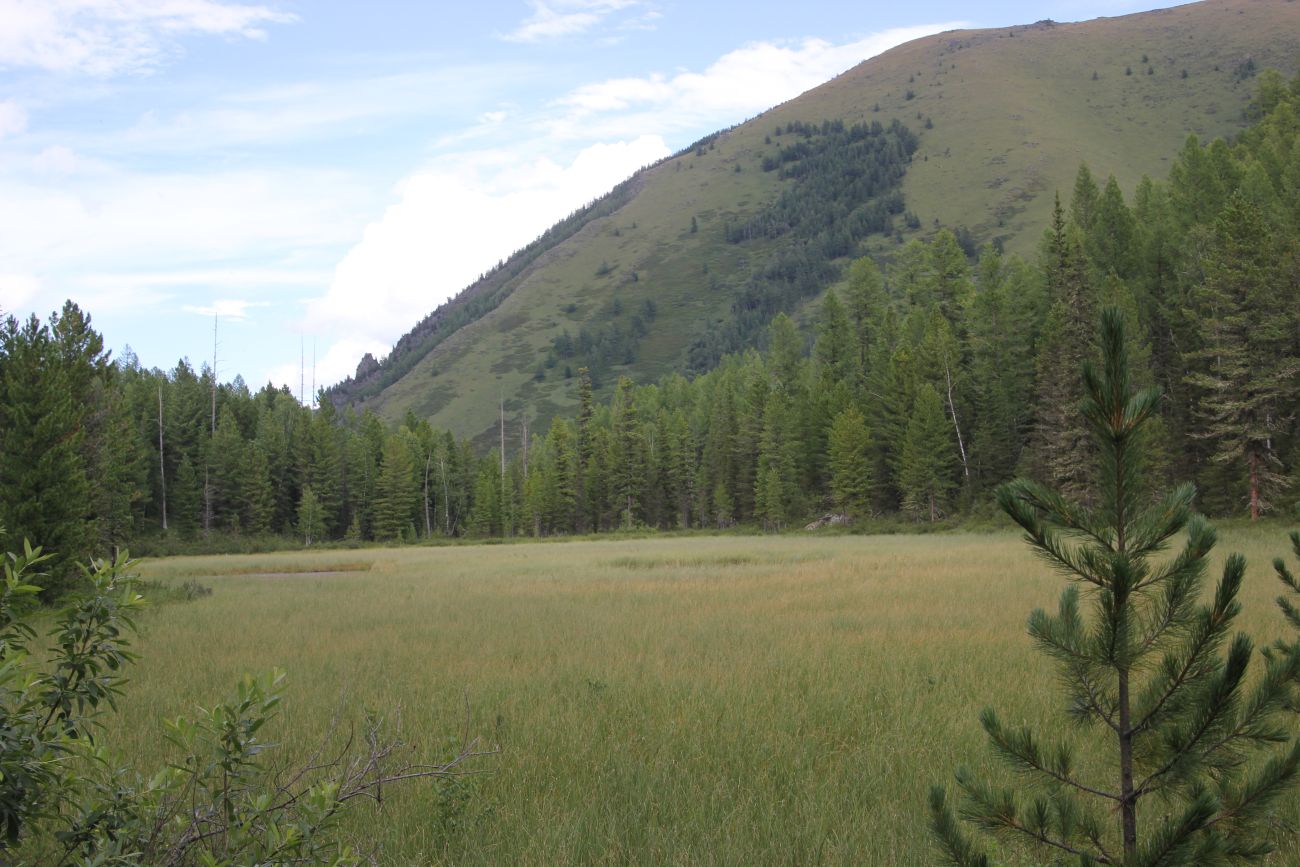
<point>556,18</point>
<point>109,37</point>
<point>739,84</point>
<point>199,236</point>
<point>452,222</point>
<point>336,363</point>
<point>13,120</point>
<point>465,213</point>
<point>225,308</point>
<point>56,160</point>
<point>17,292</point>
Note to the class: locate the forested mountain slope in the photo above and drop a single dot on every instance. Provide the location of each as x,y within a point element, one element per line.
<point>972,130</point>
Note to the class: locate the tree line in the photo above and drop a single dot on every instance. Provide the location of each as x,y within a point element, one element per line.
<point>916,389</point>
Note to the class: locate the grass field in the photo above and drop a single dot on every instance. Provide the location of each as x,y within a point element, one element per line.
<point>705,700</point>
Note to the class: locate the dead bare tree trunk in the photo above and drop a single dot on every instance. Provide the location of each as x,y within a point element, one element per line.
<point>162,464</point>
<point>952,410</point>
<point>428,523</point>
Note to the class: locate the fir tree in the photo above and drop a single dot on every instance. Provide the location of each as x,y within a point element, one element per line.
<point>1083,204</point>
<point>1151,674</point>
<point>866,300</point>
<point>1001,371</point>
<point>775,488</point>
<point>257,505</point>
<point>628,458</point>
<point>1060,448</point>
<point>850,462</point>
<point>44,490</point>
<point>1249,365</point>
<point>397,493</point>
<point>585,452</point>
<point>485,515</point>
<point>927,459</point>
<point>834,350</point>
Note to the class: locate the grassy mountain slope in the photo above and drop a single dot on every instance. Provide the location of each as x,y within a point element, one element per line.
<point>1003,117</point>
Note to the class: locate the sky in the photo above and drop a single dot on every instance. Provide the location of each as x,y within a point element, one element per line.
<point>314,176</point>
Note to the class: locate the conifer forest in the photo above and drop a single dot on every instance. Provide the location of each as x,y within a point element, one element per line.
<point>924,382</point>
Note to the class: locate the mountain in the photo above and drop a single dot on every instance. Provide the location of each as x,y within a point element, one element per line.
<point>974,130</point>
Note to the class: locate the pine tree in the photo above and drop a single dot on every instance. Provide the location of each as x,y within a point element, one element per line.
<point>866,301</point>
<point>44,491</point>
<point>561,488</point>
<point>397,494</point>
<point>1083,204</point>
<point>776,493</point>
<point>1008,301</point>
<point>257,499</point>
<point>585,452</point>
<point>927,462</point>
<point>628,456</point>
<point>679,467</point>
<point>227,469</point>
<point>1111,236</point>
<point>1171,720</point>
<point>785,350</point>
<point>1248,364</point>
<point>1060,449</point>
<point>185,499</point>
<point>850,462</point>
<point>834,351</point>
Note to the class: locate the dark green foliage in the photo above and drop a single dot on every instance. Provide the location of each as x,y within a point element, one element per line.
<point>927,469</point>
<point>850,463</point>
<point>1205,266</point>
<point>1156,685</point>
<point>844,186</point>
<point>52,386</point>
<point>1248,367</point>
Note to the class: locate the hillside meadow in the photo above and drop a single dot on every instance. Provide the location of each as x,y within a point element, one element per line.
<point>692,700</point>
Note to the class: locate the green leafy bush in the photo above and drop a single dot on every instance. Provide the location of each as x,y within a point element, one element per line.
<point>220,802</point>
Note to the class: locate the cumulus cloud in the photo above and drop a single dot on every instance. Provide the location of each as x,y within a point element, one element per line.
<point>225,308</point>
<point>123,241</point>
<point>452,221</point>
<point>109,37</point>
<point>13,119</point>
<point>17,291</point>
<point>464,213</point>
<point>556,18</point>
<point>739,84</point>
<point>322,365</point>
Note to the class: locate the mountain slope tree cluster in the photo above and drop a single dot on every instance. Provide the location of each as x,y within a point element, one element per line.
<point>916,390</point>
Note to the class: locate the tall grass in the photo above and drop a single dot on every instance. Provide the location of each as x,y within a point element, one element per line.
<point>718,700</point>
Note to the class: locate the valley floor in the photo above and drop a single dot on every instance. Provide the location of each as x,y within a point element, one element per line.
<point>703,700</point>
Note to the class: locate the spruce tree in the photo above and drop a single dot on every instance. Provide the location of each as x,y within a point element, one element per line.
<point>1182,741</point>
<point>850,462</point>
<point>1060,449</point>
<point>775,485</point>
<point>397,494</point>
<point>1248,364</point>
<point>928,461</point>
<point>44,491</point>
<point>585,452</point>
<point>627,458</point>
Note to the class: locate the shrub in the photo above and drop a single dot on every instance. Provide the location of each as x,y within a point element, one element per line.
<point>219,803</point>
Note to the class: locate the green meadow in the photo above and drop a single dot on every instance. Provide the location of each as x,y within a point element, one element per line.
<point>693,700</point>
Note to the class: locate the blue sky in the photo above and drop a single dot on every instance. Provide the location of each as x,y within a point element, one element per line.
<point>322,174</point>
